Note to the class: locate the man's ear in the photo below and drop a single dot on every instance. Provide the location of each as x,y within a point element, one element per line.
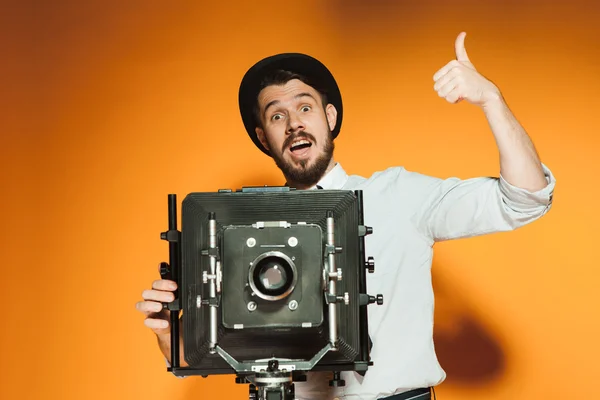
<point>331,113</point>
<point>260,134</point>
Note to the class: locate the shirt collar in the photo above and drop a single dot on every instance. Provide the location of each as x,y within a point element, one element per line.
<point>334,179</point>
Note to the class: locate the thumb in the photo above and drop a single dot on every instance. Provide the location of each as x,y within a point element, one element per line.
<point>459,48</point>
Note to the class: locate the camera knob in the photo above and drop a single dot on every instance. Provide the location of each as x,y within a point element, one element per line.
<point>345,298</point>
<point>364,230</point>
<point>372,299</point>
<point>370,265</point>
<point>165,270</point>
<point>205,277</point>
<point>336,275</point>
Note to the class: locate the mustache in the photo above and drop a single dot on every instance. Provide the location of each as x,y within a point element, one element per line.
<point>290,139</point>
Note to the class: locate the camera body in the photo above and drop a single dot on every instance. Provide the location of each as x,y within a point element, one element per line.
<point>271,284</point>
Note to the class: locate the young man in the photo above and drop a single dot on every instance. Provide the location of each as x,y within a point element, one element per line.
<point>292,110</point>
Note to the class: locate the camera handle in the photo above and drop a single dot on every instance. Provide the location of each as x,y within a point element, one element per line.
<point>171,271</point>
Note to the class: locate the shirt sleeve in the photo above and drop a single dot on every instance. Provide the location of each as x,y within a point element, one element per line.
<point>453,208</point>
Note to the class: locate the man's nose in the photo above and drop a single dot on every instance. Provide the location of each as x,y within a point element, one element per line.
<point>295,123</point>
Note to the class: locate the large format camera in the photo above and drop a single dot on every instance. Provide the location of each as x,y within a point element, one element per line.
<point>272,284</point>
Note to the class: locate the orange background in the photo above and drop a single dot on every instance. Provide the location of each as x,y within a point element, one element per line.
<point>108,107</point>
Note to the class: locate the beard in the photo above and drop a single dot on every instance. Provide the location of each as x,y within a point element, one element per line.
<point>302,173</point>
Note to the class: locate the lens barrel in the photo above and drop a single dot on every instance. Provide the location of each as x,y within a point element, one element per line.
<point>272,275</point>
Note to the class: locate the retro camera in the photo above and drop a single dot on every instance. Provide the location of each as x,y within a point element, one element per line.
<point>271,285</point>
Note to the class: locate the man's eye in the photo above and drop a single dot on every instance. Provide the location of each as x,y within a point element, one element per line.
<point>276,117</point>
<point>305,108</point>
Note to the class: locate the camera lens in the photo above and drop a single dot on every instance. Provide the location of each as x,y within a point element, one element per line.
<point>272,275</point>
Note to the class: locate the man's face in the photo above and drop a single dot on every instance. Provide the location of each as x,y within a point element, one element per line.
<point>297,131</point>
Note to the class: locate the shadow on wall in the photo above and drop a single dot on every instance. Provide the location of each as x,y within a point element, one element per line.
<point>469,353</point>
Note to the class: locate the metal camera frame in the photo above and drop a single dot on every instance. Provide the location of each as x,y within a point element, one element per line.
<point>270,375</point>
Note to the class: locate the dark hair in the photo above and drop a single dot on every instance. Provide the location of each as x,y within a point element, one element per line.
<point>281,77</point>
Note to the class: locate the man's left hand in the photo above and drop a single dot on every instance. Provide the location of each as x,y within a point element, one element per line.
<point>459,79</point>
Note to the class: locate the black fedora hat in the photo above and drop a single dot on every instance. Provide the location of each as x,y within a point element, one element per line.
<point>318,75</point>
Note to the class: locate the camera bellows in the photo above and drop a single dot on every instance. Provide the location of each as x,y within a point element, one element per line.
<point>272,274</point>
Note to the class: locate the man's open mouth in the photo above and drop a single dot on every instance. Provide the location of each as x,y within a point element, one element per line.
<point>299,146</point>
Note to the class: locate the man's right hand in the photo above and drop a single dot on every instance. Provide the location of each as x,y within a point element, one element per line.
<point>157,317</point>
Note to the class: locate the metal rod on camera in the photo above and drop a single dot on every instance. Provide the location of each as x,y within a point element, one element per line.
<point>362,282</point>
<point>174,264</point>
<point>212,235</point>
<point>333,336</point>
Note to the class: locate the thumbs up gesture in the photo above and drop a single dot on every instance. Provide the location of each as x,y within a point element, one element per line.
<point>459,79</point>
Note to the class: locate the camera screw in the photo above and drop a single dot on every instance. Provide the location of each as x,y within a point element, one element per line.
<point>336,275</point>
<point>293,305</point>
<point>208,277</point>
<point>370,264</point>
<point>251,242</point>
<point>251,306</point>
<point>345,298</point>
<point>293,241</point>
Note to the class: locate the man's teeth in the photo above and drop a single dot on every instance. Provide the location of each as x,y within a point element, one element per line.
<point>299,143</point>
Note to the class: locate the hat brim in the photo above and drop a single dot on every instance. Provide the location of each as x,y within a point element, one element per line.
<point>298,63</point>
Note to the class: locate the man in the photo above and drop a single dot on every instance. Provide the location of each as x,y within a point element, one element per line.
<point>292,110</point>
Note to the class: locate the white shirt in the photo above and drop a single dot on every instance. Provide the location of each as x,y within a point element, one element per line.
<point>409,212</point>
